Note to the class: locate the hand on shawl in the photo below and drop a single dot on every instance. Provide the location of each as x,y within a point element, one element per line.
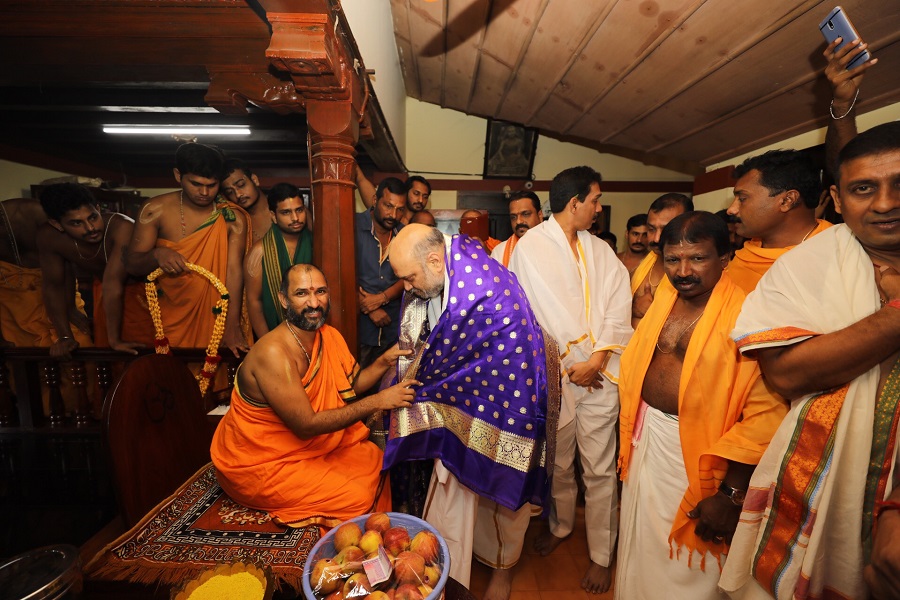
<point>717,518</point>
<point>389,358</point>
<point>397,396</point>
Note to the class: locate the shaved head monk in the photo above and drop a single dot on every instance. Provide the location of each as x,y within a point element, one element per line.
<point>294,412</point>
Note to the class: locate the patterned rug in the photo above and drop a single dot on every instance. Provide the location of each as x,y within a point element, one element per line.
<point>194,529</point>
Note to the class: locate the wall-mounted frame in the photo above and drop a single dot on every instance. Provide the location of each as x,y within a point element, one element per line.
<point>509,150</point>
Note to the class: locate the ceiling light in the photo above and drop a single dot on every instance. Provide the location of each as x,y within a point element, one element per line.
<point>177,129</point>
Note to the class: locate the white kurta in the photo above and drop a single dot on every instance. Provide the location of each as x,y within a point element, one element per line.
<point>585,304</point>
<point>498,251</point>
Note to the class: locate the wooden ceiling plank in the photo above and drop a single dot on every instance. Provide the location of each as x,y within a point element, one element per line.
<point>557,43</point>
<point>461,64</point>
<point>424,26</point>
<point>628,34</point>
<point>492,77</point>
<point>703,44</point>
<point>408,66</point>
<point>725,93</point>
<point>779,118</point>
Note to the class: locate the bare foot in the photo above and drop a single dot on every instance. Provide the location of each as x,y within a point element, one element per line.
<point>500,585</point>
<point>597,579</point>
<point>546,542</point>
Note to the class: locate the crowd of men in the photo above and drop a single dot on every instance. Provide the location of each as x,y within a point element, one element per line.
<point>738,372</point>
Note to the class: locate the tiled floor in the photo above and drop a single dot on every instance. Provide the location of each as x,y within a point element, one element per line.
<point>554,577</point>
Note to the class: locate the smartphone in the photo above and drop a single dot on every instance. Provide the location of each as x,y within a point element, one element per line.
<point>837,25</point>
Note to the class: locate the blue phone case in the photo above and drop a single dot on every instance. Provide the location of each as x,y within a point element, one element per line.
<point>837,25</point>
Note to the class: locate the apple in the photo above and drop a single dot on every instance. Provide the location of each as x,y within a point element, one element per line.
<point>426,544</point>
<point>338,595</point>
<point>347,534</point>
<point>396,540</point>
<point>326,576</point>
<point>350,560</point>
<point>432,575</point>
<point>408,591</point>
<point>379,595</point>
<point>357,586</point>
<point>379,522</point>
<point>409,568</point>
<point>370,541</point>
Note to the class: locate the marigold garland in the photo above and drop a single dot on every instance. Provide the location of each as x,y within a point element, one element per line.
<point>220,310</point>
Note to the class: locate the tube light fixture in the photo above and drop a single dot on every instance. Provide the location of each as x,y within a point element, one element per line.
<point>177,129</point>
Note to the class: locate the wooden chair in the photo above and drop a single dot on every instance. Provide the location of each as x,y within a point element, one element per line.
<point>157,431</point>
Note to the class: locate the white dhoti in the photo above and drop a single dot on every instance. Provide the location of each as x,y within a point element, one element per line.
<point>593,431</point>
<point>451,508</point>
<point>656,483</point>
<point>500,533</point>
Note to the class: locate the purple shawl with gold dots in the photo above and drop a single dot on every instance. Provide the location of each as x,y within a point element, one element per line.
<point>482,408</point>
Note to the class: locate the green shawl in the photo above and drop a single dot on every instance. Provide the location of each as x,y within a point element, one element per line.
<point>275,262</point>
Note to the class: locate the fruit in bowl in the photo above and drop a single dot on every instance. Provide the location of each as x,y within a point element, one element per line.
<point>380,562</point>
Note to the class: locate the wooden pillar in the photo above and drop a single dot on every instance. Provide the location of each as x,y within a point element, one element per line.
<point>333,132</point>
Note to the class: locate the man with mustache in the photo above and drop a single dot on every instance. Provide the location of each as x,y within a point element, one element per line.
<point>418,191</point>
<point>524,213</point>
<point>480,416</point>
<point>579,292</point>
<point>649,274</point>
<point>241,186</point>
<point>824,322</point>
<point>637,244</point>
<point>379,290</point>
<point>295,414</point>
<point>774,207</point>
<point>695,418</point>
<point>288,242</point>
<point>78,237</point>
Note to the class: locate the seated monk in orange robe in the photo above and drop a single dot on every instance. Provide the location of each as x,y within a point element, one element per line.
<point>293,443</point>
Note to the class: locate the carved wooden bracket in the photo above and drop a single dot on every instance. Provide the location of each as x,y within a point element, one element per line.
<point>230,89</point>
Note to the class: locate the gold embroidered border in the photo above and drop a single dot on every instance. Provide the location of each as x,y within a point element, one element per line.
<point>502,447</point>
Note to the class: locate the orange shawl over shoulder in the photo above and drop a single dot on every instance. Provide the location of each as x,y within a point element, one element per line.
<point>725,411</point>
<point>186,301</point>
<point>752,261</point>
<point>642,271</point>
<point>324,480</point>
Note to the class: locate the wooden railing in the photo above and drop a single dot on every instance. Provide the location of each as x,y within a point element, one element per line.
<point>27,375</point>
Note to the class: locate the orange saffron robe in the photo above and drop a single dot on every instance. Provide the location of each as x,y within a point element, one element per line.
<point>186,300</point>
<point>137,326</point>
<point>324,480</point>
<point>725,411</point>
<point>23,318</point>
<point>752,261</point>
<point>642,271</point>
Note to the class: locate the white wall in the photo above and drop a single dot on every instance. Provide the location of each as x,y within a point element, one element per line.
<point>16,179</point>
<point>373,29</point>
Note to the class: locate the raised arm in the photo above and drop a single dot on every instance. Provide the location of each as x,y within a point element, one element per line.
<point>234,281</point>
<point>253,284</point>
<point>845,89</point>
<point>114,275</point>
<point>365,187</point>
<point>280,383</point>
<point>54,289</point>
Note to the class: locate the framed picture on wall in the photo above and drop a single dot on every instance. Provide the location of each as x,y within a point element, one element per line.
<point>509,150</point>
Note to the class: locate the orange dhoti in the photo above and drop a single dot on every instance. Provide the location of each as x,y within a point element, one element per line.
<point>136,326</point>
<point>324,480</point>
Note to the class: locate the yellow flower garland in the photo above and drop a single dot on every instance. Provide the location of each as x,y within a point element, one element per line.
<point>221,310</point>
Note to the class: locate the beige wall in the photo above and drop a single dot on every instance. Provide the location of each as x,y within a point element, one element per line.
<point>448,144</point>
<point>16,179</point>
